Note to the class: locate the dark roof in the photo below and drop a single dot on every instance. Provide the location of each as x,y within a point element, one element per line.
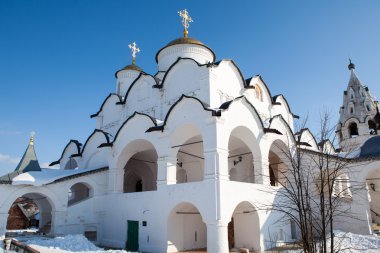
<point>371,148</point>
<point>27,163</point>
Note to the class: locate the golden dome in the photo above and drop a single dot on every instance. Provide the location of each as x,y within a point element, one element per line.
<point>184,40</point>
<point>129,67</point>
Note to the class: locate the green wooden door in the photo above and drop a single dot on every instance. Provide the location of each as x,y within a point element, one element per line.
<point>133,236</point>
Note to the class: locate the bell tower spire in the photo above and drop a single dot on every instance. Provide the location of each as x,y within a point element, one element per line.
<point>356,121</point>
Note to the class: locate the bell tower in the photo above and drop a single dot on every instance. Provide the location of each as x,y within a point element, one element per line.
<point>358,114</point>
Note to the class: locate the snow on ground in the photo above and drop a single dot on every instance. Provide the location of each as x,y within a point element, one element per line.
<point>347,242</point>
<point>67,244</point>
<point>353,243</point>
<point>20,231</point>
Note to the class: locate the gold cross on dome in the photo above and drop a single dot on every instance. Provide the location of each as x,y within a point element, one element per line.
<point>134,50</point>
<point>186,20</point>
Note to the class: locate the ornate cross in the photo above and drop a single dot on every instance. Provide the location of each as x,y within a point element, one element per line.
<point>186,20</point>
<point>134,50</point>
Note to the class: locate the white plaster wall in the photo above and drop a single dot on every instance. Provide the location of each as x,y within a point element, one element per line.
<point>170,54</point>
<point>226,83</point>
<point>110,116</point>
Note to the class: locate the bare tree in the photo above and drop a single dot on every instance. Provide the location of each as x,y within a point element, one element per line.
<point>315,189</point>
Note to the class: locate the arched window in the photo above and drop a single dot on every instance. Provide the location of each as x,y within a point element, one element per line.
<point>371,127</point>
<point>78,192</point>
<point>353,130</point>
<point>258,93</point>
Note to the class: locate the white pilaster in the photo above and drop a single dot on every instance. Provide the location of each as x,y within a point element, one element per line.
<point>217,237</point>
<point>115,180</point>
<point>261,167</point>
<point>167,170</point>
<point>216,164</point>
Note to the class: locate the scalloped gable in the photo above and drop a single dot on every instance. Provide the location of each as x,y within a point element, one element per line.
<point>284,102</point>
<point>134,83</point>
<point>306,138</point>
<point>124,125</point>
<point>231,64</point>
<point>204,105</point>
<point>288,131</point>
<point>166,73</point>
<point>326,146</point>
<point>226,106</point>
<point>226,82</point>
<point>108,98</point>
<point>251,82</point>
<point>93,135</point>
<point>72,144</point>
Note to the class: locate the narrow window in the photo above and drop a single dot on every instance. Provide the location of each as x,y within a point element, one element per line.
<point>353,130</point>
<point>293,230</point>
<point>258,93</point>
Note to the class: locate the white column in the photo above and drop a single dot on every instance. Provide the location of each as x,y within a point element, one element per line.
<point>217,237</point>
<point>216,164</point>
<point>58,224</point>
<point>115,180</point>
<point>261,167</point>
<point>167,170</point>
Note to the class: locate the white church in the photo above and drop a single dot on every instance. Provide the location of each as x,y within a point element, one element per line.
<point>183,159</point>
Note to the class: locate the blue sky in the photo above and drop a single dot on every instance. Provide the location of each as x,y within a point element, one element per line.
<point>58,58</point>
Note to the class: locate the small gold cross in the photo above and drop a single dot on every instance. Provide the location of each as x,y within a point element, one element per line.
<point>134,50</point>
<point>186,20</point>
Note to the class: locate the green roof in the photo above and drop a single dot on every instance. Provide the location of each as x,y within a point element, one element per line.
<point>29,162</point>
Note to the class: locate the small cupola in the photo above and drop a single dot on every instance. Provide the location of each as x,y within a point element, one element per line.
<point>184,47</point>
<point>133,66</point>
<point>129,73</point>
<point>351,65</point>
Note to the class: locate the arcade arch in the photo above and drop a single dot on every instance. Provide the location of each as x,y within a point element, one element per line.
<point>244,228</point>
<point>240,157</point>
<point>277,156</point>
<point>188,148</point>
<point>140,171</point>
<point>41,218</point>
<point>186,229</point>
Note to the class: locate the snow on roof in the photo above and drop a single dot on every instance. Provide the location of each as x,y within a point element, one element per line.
<point>350,154</point>
<point>46,176</point>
